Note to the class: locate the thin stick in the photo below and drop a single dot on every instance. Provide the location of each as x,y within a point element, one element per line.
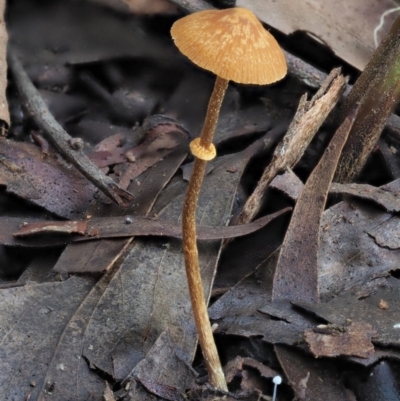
<point>199,305</point>
<point>60,138</point>
<point>4,113</point>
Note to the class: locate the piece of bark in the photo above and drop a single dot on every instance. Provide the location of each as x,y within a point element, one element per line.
<point>296,274</point>
<point>289,184</point>
<point>238,364</point>
<point>4,113</point>
<point>251,374</point>
<point>331,341</point>
<point>60,138</point>
<point>309,117</point>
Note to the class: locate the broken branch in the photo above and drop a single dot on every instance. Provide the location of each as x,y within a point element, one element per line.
<point>60,138</point>
<point>309,117</point>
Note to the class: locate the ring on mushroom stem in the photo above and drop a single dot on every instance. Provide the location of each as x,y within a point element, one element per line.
<point>202,152</point>
<point>233,44</point>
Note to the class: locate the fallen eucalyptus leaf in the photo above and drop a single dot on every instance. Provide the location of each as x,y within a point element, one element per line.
<point>125,226</point>
<point>296,274</point>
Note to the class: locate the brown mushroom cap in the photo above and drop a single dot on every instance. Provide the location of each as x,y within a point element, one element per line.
<point>231,43</point>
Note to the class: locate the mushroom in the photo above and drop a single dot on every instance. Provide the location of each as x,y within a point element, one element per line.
<point>233,44</point>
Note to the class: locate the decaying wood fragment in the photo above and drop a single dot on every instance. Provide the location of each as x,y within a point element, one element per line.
<point>309,117</point>
<point>60,138</point>
<point>296,274</point>
<point>332,340</point>
<point>4,113</point>
<point>56,227</point>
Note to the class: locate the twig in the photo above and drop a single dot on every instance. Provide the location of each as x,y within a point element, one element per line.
<point>309,117</point>
<point>60,138</point>
<point>4,113</point>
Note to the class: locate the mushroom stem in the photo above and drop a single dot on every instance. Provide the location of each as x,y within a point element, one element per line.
<point>199,305</point>
<point>214,106</point>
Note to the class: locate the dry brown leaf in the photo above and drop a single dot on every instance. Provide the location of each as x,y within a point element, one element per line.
<point>381,383</point>
<point>346,27</point>
<point>48,182</point>
<point>344,308</point>
<point>349,257</point>
<point>42,328</point>
<point>389,200</point>
<point>118,227</point>
<point>296,274</point>
<point>311,379</point>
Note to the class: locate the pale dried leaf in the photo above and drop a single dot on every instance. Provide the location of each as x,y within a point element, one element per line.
<point>346,27</point>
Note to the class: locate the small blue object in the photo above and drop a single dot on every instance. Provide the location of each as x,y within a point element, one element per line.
<point>277,380</point>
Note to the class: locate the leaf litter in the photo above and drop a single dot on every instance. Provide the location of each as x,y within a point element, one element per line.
<point>117,353</point>
<point>132,326</point>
